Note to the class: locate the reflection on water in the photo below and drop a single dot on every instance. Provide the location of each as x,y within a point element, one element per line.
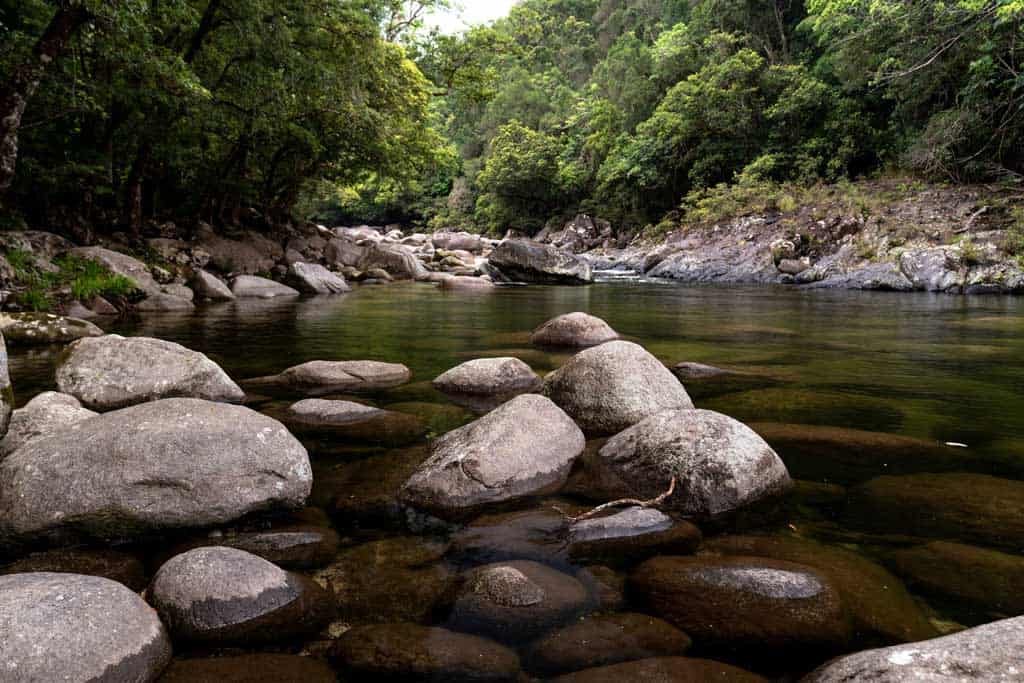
<point>936,368</point>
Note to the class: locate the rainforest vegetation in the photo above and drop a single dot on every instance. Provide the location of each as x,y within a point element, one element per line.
<point>118,113</point>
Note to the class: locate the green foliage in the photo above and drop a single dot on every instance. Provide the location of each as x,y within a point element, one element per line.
<point>1013,242</point>
<point>970,253</point>
<point>81,278</point>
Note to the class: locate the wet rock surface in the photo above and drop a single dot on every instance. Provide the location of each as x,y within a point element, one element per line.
<point>321,423</point>
<point>663,670</point>
<point>579,330</point>
<point>292,546</point>
<point>321,377</point>
<point>125,568</point>
<point>527,261</point>
<point>6,395</point>
<point>253,668</point>
<point>27,329</point>
<point>634,534</point>
<point>253,287</point>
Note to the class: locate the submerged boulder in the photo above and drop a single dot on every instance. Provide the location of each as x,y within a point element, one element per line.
<point>315,279</point>
<point>252,668</point>
<point>321,377</point>
<point>633,533</point>
<point>613,386</point>
<point>663,670</point>
<point>46,414</point>
<point>226,595</point>
<point>489,376</point>
<point>720,465</point>
<point>162,465</point>
<point>25,329</point>
<point>993,652</point>
<point>318,420</point>
<point>254,287</point>
<point>528,261</point>
<point>526,447</point>
<point>68,627</point>
<point>573,330</point>
<point>106,563</point>
<point>112,372</point>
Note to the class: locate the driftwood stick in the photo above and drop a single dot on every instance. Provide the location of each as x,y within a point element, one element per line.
<point>626,502</point>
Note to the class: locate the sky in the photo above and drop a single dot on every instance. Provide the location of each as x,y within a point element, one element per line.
<point>471,12</point>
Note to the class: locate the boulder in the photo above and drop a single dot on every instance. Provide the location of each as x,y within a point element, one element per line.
<point>69,627</point>
<point>253,287</point>
<point>315,279</point>
<point>992,652</point>
<point>44,328</point>
<point>111,372</point>
<point>110,564</point>
<point>489,376</point>
<point>537,534</point>
<point>882,610</point>
<point>207,286</point>
<point>634,533</point>
<point>318,420</point>
<point>707,381</point>
<point>451,241</point>
<point>755,606</point>
<point>6,396</point>
<point>344,252</point>
<point>321,377</point>
<point>409,652</point>
<point>290,547</point>
<point>521,260</point>
<point>611,387</point>
<point>179,290</point>
<point>253,254</point>
<point>253,668</point>
<point>516,601</point>
<point>160,302</point>
<point>117,263</point>
<point>161,465</point>
<point>398,261</point>
<point>974,508</point>
<point>364,493</point>
<point>602,640</point>
<point>720,465</point>
<point>936,269</point>
<point>524,448</point>
<point>464,283</point>
<point>663,670</point>
<point>573,330</point>
<point>46,414</point>
<point>226,595</point>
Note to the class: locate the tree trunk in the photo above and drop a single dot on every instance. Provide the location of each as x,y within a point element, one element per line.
<point>133,191</point>
<point>22,83</point>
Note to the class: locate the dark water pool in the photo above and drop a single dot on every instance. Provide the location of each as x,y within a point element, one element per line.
<point>934,368</point>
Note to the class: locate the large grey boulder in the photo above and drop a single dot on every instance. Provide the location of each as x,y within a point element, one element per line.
<point>720,465</point>
<point>254,287</point>
<point>162,302</point>
<point>6,393</point>
<point>526,447</point>
<point>46,414</point>
<point>220,594</point>
<point>344,252</point>
<point>321,377</point>
<point>529,261</point>
<point>398,261</point>
<point>161,465</point>
<point>26,329</point>
<point>121,264</point>
<point>935,269</point>
<point>315,279</point>
<point>573,330</point>
<point>465,241</point>
<point>111,372</point>
<point>993,652</point>
<point>69,627</point>
<point>252,254</point>
<point>613,386</point>
<point>208,286</point>
<point>489,376</point>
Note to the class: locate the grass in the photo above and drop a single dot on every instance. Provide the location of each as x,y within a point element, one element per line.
<point>970,253</point>
<point>85,279</point>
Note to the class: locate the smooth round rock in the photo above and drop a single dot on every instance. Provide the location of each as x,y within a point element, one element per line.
<point>253,287</point>
<point>67,627</point>
<point>611,387</point>
<point>313,278</point>
<point>323,423</point>
<point>225,595</point>
<point>466,283</point>
<point>321,377</point>
<point>207,286</point>
<point>524,448</point>
<point>633,534</point>
<point>46,414</point>
<point>664,670</point>
<point>110,372</point>
<point>516,601</point>
<point>488,376</point>
<point>254,668</point>
<point>720,465</point>
<point>602,640</point>
<point>289,547</point>
<point>578,330</point>
<point>409,652</point>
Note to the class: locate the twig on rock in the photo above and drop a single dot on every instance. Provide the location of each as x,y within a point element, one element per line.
<point>625,502</point>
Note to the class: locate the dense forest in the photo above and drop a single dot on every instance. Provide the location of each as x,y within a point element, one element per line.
<point>115,114</point>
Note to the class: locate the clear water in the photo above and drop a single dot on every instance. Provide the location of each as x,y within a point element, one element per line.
<point>943,368</point>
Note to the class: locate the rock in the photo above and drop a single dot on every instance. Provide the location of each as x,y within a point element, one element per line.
<point>506,377</point>
<point>611,387</point>
<point>783,250</point>
<point>109,564</point>
<point>978,578</point>
<point>318,420</point>
<point>974,508</point>
<point>164,303</point>
<point>933,269</point>
<point>315,279</point>
<point>161,465</point>
<point>226,595</point>
<point>44,328</point>
<point>463,283</point>
<point>452,241</point>
<point>992,652</point>
<point>516,601</point>
<point>634,533</point>
<point>663,670</point>
<point>253,287</point>
<point>524,448</point>
<point>707,381</point>
<point>364,493</point>
<point>46,414</point>
<point>602,640</point>
<point>252,254</point>
<point>207,286</point>
<point>117,263</point>
<point>573,330</point>
<point>527,261</point>
<point>289,547</point>
<point>825,453</point>
<point>750,605</point>
<point>792,266</point>
<point>6,397</point>
<point>101,307</point>
<point>607,586</point>
<point>179,290</point>
<point>253,668</point>
<point>398,261</point>
<point>344,252</point>
<point>720,465</point>
<point>409,652</point>
<point>67,627</point>
<point>882,610</point>
<point>538,534</point>
<point>391,580</point>
<point>111,372</point>
<point>321,377</point>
